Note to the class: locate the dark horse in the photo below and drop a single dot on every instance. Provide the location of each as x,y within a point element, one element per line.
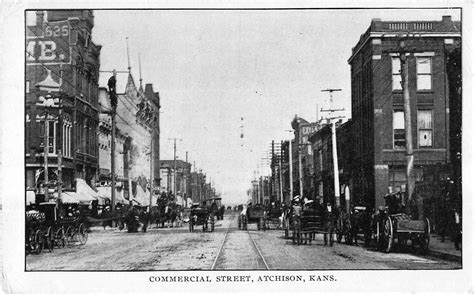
<point>137,218</point>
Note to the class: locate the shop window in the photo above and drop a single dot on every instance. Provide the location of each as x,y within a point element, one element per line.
<point>399,130</point>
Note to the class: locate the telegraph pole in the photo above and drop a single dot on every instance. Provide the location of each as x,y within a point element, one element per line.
<point>290,151</point>
<point>407,116</point>
<point>337,193</point>
<point>174,173</point>
<point>281,176</point>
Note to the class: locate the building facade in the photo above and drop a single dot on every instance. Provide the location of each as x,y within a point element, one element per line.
<point>61,63</point>
<point>379,164</point>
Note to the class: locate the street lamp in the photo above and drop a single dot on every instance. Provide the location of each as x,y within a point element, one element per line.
<point>50,102</point>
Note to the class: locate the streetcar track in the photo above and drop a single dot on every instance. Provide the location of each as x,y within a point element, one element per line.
<point>259,253</point>
<point>223,242</point>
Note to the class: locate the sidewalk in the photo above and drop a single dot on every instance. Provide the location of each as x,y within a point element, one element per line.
<point>444,250</point>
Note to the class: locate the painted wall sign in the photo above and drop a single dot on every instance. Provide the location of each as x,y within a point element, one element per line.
<point>49,44</point>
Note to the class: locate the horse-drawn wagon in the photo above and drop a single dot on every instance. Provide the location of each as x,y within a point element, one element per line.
<point>201,216</point>
<point>394,225</point>
<point>252,214</point>
<point>306,221</point>
<point>46,228</point>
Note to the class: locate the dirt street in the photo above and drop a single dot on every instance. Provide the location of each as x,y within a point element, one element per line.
<point>178,249</point>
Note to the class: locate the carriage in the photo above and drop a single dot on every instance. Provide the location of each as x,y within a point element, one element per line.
<point>201,216</point>
<point>272,217</point>
<point>253,214</point>
<point>45,228</point>
<point>393,225</point>
<point>308,222</point>
<point>350,225</point>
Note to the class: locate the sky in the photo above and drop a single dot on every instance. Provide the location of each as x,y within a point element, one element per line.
<point>220,73</point>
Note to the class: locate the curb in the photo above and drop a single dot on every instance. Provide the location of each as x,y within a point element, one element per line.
<point>433,253</point>
<point>445,255</point>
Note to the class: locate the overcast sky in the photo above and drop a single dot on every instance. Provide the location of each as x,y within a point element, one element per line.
<point>213,68</point>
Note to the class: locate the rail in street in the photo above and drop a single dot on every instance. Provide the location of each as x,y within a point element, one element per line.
<point>239,251</point>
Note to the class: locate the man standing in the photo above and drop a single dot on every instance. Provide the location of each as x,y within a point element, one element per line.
<point>329,218</point>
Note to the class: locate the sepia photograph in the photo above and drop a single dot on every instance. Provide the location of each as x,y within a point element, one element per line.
<point>268,145</point>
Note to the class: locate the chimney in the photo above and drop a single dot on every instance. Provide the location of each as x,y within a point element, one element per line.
<point>446,18</point>
<point>39,17</point>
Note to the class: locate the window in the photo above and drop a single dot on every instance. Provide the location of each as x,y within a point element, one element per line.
<point>425,128</point>
<point>397,179</point>
<point>396,74</point>
<point>423,73</point>
<point>67,140</point>
<point>398,129</point>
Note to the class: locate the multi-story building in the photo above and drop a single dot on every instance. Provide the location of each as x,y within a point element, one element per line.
<point>303,157</point>
<point>136,140</point>
<point>61,63</point>
<point>379,163</point>
<point>182,178</point>
<point>322,146</point>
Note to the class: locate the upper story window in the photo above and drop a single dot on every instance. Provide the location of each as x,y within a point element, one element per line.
<point>423,73</point>
<point>425,128</point>
<point>396,74</point>
<point>398,129</point>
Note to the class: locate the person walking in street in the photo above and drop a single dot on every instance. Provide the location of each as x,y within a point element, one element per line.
<point>329,218</point>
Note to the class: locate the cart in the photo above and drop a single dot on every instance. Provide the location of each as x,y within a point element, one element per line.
<point>253,214</point>
<point>201,216</point>
<point>394,226</point>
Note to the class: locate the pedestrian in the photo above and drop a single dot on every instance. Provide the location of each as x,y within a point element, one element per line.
<point>329,219</point>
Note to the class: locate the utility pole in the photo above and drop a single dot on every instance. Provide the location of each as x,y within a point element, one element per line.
<point>408,130</point>
<point>290,143</point>
<point>113,102</point>
<point>174,173</point>
<point>185,182</point>
<point>337,193</point>
<point>151,167</point>
<point>46,154</point>
<point>281,176</point>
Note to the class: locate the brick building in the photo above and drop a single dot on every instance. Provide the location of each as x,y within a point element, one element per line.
<point>323,177</point>
<point>377,106</point>
<point>61,62</point>
<point>302,154</point>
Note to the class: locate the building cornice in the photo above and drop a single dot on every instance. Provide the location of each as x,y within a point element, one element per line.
<point>387,34</point>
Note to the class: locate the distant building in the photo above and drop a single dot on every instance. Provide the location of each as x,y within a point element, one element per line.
<point>377,106</point>
<point>302,157</point>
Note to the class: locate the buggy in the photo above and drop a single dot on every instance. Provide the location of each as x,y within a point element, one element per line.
<point>201,216</point>
<point>393,224</point>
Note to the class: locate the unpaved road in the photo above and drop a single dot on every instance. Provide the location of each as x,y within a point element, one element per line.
<point>178,249</point>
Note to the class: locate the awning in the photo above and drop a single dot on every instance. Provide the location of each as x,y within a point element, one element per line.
<point>106,193</point>
<point>141,198</point>
<point>30,197</point>
<point>68,197</point>
<point>84,193</point>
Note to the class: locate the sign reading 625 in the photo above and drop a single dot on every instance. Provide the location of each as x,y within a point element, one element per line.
<point>56,31</point>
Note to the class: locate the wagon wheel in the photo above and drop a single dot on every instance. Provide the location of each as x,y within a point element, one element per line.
<point>38,242</point>
<point>83,235</point>
<point>60,238</point>
<point>426,236</point>
<point>388,235</point>
<point>49,239</point>
<point>69,235</point>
